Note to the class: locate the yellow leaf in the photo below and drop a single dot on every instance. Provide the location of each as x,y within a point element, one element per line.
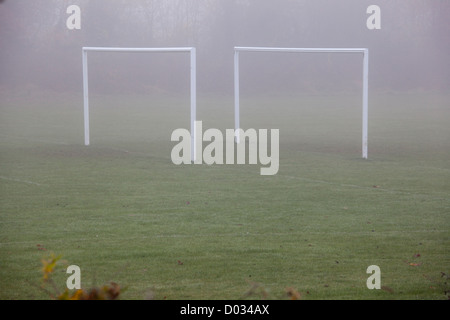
<point>414,264</point>
<point>48,265</point>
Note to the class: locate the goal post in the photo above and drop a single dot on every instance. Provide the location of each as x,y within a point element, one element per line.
<point>193,85</point>
<point>365,104</point>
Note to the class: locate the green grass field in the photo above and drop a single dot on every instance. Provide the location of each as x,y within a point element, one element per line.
<point>122,212</point>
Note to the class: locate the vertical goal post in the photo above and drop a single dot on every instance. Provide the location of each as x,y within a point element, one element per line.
<point>365,105</point>
<point>193,85</point>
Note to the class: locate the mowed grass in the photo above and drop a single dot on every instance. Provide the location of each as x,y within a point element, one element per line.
<point>123,212</point>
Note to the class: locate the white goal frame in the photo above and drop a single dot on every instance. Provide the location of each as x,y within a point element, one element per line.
<point>193,84</point>
<point>365,104</point>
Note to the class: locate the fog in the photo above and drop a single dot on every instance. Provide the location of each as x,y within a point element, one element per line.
<point>297,202</point>
<point>409,53</point>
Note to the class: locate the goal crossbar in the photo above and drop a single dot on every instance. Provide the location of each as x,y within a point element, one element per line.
<point>193,84</point>
<point>365,104</point>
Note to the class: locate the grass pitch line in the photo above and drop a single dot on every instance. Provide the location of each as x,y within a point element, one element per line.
<point>20,181</point>
<point>47,141</point>
<point>360,187</point>
<point>329,182</point>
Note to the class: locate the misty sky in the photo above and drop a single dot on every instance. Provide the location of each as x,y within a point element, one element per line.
<point>409,52</point>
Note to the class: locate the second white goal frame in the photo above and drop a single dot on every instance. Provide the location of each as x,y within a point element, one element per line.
<point>365,53</point>
<point>193,84</point>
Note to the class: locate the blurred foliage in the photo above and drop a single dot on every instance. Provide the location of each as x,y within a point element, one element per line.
<point>109,291</point>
